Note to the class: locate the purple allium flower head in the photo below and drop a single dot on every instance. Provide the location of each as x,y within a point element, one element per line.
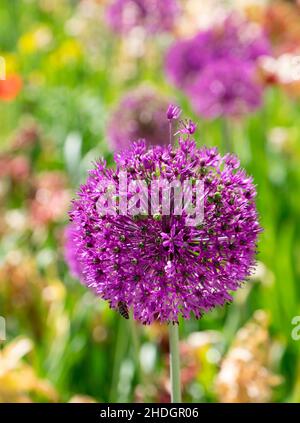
<point>153,15</point>
<point>139,115</point>
<point>226,88</point>
<point>70,251</point>
<point>239,39</point>
<point>156,264</point>
<point>186,58</point>
<point>235,39</point>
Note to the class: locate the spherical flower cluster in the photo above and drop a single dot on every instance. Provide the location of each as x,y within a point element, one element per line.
<point>70,251</point>
<point>226,88</point>
<point>139,115</point>
<point>236,42</point>
<point>156,264</point>
<point>152,15</point>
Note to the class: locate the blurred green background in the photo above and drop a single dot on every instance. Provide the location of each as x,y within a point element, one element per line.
<point>63,344</point>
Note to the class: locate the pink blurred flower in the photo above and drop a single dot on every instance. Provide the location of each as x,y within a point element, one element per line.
<point>51,198</point>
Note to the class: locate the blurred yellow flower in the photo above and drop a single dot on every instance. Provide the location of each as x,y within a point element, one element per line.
<point>11,62</point>
<point>68,52</point>
<point>34,40</point>
<point>18,380</point>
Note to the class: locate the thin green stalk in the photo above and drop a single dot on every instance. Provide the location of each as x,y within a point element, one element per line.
<point>136,347</point>
<point>226,136</point>
<point>174,363</point>
<point>120,351</point>
<point>170,133</point>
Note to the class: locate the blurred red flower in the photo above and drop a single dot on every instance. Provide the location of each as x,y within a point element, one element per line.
<point>10,87</point>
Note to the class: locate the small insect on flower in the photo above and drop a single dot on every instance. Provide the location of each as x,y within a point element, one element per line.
<point>123,309</point>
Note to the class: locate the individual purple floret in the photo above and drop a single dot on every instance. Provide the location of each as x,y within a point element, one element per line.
<point>70,251</point>
<point>152,15</point>
<point>226,88</point>
<point>156,264</point>
<point>139,115</point>
<point>173,112</point>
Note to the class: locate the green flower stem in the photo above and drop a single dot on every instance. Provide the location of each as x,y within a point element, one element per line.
<point>226,136</point>
<point>133,328</point>
<point>174,363</point>
<point>120,351</point>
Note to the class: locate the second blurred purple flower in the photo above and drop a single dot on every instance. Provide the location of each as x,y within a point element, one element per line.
<point>153,15</point>
<point>217,68</point>
<point>140,114</point>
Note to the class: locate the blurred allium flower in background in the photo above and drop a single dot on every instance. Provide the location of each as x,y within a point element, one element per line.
<point>156,264</point>
<point>226,88</point>
<point>70,251</point>
<point>139,115</point>
<point>207,61</point>
<point>245,375</point>
<point>232,39</point>
<point>153,15</point>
